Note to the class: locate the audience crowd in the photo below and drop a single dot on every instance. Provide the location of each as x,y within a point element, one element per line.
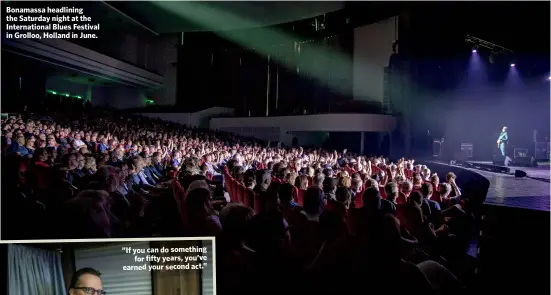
<point>286,219</point>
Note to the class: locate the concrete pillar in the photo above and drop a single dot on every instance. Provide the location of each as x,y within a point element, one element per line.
<point>88,96</point>
<point>362,139</point>
<point>390,150</point>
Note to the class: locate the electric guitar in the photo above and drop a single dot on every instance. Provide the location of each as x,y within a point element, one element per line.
<point>498,142</point>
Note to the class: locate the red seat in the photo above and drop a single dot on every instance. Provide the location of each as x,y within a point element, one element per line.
<point>23,164</point>
<point>233,190</point>
<point>358,199</point>
<point>179,197</point>
<point>300,195</point>
<point>250,199</point>
<point>172,174</point>
<point>436,197</point>
<point>227,179</point>
<point>401,199</point>
<point>240,193</point>
<point>411,218</point>
<point>382,192</point>
<point>43,177</point>
<point>434,187</point>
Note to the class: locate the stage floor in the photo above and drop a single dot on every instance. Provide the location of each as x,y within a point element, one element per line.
<point>542,171</point>
<point>527,193</point>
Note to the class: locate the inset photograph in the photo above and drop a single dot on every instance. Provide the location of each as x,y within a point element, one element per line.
<point>111,267</point>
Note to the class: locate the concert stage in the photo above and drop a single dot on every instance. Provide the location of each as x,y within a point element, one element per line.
<point>507,190</point>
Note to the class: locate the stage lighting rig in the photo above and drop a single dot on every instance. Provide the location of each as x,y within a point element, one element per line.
<point>494,48</point>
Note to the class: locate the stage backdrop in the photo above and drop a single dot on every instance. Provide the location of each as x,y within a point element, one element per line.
<point>477,116</point>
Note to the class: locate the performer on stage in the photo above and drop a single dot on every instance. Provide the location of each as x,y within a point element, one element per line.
<point>503,140</point>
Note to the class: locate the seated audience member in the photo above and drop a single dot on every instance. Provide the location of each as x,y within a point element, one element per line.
<point>356,184</point>
<point>344,181</point>
<point>69,163</point>
<point>176,161</point>
<point>301,182</point>
<point>411,216</point>
<point>198,184</point>
<point>27,150</point>
<point>200,217</point>
<point>444,191</point>
<point>263,180</point>
<point>270,201</point>
<point>238,173</point>
<point>317,180</point>
<point>156,165</point>
<point>389,269</point>
<point>388,205</point>
<point>235,259</point>
<point>270,239</point>
<point>126,204</point>
<point>77,142</point>
<point>87,216</point>
<point>189,174</point>
<point>329,187</point>
<point>287,195</point>
<point>450,179</point>
<point>371,199</point>
<point>372,183</point>
<point>405,190</point>
<point>314,203</point>
<point>249,179</point>
<point>431,209</point>
<point>435,181</point>
<point>332,224</point>
<point>290,177</point>
<point>90,166</point>
<point>425,175</point>
<point>343,196</point>
<point>356,189</point>
<point>150,176</point>
<point>81,163</point>
<point>417,183</point>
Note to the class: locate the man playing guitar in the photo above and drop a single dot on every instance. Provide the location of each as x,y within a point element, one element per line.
<point>502,141</point>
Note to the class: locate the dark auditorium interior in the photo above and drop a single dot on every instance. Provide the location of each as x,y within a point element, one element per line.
<point>330,147</point>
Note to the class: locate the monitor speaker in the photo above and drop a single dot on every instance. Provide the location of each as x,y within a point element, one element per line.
<point>461,156</point>
<point>520,173</point>
<point>526,162</point>
<point>500,160</point>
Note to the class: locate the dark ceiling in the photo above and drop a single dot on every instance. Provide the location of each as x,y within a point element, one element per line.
<point>519,26</point>
<point>265,13</point>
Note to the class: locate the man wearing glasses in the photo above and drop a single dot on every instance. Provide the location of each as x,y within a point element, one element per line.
<point>86,281</point>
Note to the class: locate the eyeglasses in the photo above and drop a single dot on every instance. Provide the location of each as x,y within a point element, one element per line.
<point>90,291</point>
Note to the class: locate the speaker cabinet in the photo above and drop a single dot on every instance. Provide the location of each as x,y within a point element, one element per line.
<point>525,162</point>
<point>500,160</point>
